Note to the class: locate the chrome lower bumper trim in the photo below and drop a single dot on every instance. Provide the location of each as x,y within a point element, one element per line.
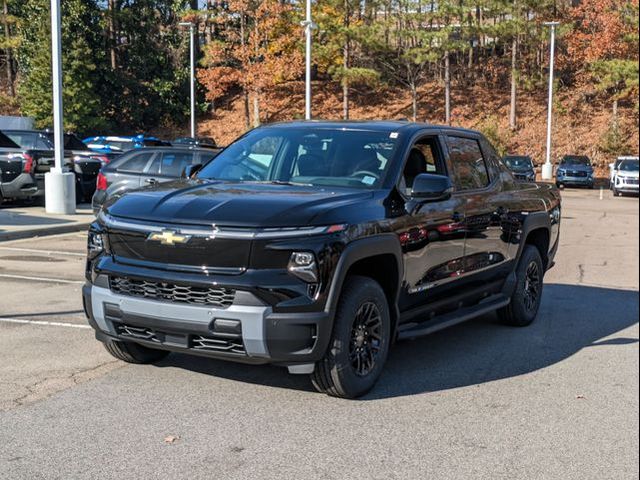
<point>253,319</point>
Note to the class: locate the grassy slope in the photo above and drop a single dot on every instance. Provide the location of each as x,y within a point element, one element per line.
<point>580,124</point>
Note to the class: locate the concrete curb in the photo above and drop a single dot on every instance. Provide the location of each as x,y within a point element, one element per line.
<point>44,231</point>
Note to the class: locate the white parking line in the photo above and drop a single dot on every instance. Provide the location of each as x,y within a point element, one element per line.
<point>45,252</point>
<point>41,279</point>
<point>41,322</point>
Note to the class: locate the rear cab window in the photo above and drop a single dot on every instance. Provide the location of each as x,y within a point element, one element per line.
<point>470,171</point>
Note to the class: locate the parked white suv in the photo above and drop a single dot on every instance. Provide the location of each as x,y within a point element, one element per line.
<point>625,176</point>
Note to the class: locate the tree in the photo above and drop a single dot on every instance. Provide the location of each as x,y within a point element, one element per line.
<point>256,52</point>
<point>81,63</point>
<point>8,42</point>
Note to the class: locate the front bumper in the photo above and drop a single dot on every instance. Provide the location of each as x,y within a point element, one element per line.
<point>249,334</point>
<point>581,181</point>
<point>22,187</point>
<point>626,185</point>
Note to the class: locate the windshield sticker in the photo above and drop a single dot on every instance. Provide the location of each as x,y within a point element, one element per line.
<point>393,135</point>
<point>368,180</point>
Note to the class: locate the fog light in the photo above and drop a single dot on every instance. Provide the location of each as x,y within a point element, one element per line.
<point>95,244</point>
<point>303,265</point>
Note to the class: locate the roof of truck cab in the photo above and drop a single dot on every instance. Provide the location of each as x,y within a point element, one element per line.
<point>374,125</point>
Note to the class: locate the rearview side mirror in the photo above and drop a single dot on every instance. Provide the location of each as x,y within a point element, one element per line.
<point>190,170</point>
<point>431,188</point>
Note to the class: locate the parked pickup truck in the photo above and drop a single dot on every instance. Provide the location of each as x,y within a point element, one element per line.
<point>316,246</point>
<point>78,158</point>
<point>17,179</point>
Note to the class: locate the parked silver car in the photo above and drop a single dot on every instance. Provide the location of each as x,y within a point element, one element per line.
<point>146,166</point>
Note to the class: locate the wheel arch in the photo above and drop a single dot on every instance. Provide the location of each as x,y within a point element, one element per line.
<point>378,257</point>
<point>536,231</point>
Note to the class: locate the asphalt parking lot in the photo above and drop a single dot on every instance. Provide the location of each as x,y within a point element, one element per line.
<point>558,400</point>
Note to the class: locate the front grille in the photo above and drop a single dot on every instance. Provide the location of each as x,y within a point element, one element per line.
<point>168,292</point>
<point>631,181</point>
<point>226,343</point>
<point>576,174</point>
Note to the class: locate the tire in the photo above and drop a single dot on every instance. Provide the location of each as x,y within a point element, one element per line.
<point>527,296</point>
<point>133,353</point>
<point>353,362</point>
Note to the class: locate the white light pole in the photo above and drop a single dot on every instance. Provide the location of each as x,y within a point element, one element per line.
<point>60,192</point>
<point>547,168</point>
<point>192,63</point>
<point>308,27</point>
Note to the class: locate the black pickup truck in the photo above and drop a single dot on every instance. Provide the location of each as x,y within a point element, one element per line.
<point>17,171</point>
<point>316,246</point>
<point>78,158</point>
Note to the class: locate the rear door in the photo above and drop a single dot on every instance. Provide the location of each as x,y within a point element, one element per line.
<point>486,247</point>
<point>174,163</point>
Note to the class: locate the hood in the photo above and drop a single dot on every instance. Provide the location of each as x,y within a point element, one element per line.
<point>200,202</point>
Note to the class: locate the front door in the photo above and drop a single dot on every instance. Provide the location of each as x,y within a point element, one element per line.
<point>432,236</point>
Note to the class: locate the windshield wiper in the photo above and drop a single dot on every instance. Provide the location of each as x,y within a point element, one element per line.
<point>283,182</point>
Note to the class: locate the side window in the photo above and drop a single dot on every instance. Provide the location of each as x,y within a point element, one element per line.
<point>173,163</point>
<point>497,166</point>
<point>469,166</point>
<point>135,163</point>
<point>424,157</point>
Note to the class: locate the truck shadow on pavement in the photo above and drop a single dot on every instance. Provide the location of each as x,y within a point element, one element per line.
<point>572,318</point>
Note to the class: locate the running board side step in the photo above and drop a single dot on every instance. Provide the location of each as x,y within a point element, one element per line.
<point>490,304</point>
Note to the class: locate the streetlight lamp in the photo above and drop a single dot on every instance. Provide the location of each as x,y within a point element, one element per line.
<point>60,192</point>
<point>192,63</point>
<point>547,168</point>
<point>308,27</point>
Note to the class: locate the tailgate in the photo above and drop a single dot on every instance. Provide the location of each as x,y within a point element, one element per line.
<point>10,168</point>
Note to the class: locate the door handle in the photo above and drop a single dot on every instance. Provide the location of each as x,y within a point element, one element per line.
<point>151,181</point>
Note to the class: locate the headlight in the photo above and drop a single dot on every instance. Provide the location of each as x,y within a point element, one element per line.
<point>561,173</point>
<point>95,244</point>
<point>303,265</point>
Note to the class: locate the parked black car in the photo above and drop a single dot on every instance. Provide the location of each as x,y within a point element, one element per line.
<point>78,158</point>
<point>17,179</point>
<point>316,245</point>
<point>521,166</point>
<point>146,166</point>
<point>576,171</point>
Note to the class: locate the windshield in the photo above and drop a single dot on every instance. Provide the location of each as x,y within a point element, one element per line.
<point>518,162</point>
<point>577,160</point>
<point>6,142</point>
<point>71,142</point>
<point>323,157</point>
<point>28,140</point>
<point>629,166</point>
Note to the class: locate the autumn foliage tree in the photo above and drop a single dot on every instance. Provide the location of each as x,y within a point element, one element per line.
<point>255,51</point>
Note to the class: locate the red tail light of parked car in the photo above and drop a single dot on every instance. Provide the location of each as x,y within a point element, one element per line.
<point>27,165</point>
<point>101,182</point>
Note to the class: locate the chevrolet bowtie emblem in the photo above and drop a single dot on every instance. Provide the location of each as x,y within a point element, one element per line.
<point>168,237</point>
